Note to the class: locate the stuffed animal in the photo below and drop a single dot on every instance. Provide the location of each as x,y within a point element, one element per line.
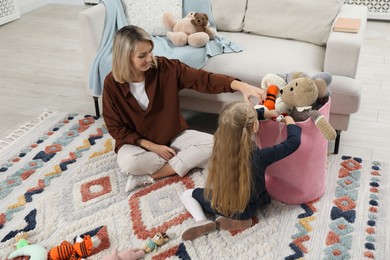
<point>183,32</point>
<point>158,240</point>
<point>25,249</point>
<point>201,24</point>
<point>128,254</point>
<point>272,83</point>
<point>66,251</point>
<point>304,94</point>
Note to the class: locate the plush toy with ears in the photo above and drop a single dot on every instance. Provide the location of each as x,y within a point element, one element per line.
<point>201,23</point>
<point>272,83</point>
<point>183,32</point>
<point>66,251</point>
<point>303,94</point>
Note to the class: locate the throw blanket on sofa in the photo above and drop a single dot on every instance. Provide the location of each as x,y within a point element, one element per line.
<point>194,57</point>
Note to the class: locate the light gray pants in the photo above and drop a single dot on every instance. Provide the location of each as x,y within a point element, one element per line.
<point>193,149</point>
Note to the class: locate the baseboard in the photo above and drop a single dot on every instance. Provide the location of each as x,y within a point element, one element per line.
<point>378,16</point>
<point>91,1</point>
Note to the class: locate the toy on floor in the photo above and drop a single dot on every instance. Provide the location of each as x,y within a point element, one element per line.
<point>66,251</point>
<point>127,254</point>
<point>158,240</point>
<point>25,249</point>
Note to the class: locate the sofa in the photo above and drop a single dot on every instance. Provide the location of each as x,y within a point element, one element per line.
<point>276,36</point>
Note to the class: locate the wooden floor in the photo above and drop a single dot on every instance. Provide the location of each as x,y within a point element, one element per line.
<point>41,68</point>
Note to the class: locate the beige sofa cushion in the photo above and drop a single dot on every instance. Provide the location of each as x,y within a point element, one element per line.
<point>304,20</point>
<point>228,14</point>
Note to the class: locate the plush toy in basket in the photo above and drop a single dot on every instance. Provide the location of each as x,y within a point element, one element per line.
<point>193,29</point>
<point>305,95</point>
<point>273,83</point>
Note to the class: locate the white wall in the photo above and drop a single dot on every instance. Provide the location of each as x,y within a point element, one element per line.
<point>29,5</point>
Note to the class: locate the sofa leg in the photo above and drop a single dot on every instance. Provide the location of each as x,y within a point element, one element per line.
<point>337,142</point>
<point>96,102</point>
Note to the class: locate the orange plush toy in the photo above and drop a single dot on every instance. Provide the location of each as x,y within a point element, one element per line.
<point>272,83</point>
<point>272,92</point>
<point>66,251</point>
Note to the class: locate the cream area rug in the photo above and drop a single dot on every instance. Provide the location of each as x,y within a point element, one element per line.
<point>59,179</point>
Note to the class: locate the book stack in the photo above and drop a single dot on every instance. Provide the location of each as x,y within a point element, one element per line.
<point>350,25</point>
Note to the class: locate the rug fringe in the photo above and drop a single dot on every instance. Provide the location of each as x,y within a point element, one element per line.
<point>24,129</point>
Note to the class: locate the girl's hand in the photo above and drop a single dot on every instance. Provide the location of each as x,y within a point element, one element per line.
<point>288,120</point>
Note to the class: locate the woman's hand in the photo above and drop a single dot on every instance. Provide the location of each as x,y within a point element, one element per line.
<point>163,151</point>
<point>249,91</point>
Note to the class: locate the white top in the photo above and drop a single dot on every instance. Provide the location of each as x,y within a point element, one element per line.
<point>138,91</point>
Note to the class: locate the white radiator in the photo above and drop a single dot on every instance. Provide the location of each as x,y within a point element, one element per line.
<point>377,9</point>
<point>9,11</point>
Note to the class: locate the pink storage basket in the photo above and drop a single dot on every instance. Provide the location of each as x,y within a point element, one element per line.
<point>301,176</point>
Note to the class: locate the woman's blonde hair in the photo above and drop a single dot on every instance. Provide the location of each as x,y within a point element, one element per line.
<point>229,180</point>
<point>124,45</point>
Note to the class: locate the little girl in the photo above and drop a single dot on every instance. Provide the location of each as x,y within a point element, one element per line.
<point>235,184</point>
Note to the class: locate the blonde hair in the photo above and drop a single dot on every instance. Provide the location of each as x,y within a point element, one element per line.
<point>124,45</point>
<point>229,180</point>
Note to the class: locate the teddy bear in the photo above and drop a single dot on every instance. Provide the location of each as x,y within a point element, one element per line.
<point>306,95</point>
<point>201,23</point>
<point>182,31</point>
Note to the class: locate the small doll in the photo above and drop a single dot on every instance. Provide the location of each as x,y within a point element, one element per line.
<point>158,240</point>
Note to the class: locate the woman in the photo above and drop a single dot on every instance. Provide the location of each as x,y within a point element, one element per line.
<point>142,113</point>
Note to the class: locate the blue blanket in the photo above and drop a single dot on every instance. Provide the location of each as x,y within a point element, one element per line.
<point>194,57</point>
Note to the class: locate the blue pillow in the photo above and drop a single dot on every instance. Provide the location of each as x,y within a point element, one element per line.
<point>199,6</point>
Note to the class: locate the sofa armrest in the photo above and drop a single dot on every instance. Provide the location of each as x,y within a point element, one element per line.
<point>91,23</point>
<point>343,49</point>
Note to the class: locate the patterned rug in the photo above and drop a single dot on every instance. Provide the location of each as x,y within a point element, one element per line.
<point>59,179</point>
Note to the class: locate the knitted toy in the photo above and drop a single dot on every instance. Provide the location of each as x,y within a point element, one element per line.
<point>66,251</point>
<point>158,240</point>
<point>272,83</point>
<point>305,95</point>
<point>183,32</point>
<point>25,249</point>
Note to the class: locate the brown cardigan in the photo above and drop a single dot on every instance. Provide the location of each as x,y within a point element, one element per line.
<point>162,120</point>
